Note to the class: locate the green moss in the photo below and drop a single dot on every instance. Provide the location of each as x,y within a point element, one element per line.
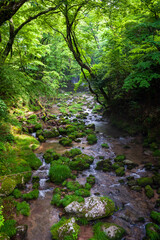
<point>58,173</point>
<point>152,231</point>
<point>65,141</point>
<point>92,139</point>
<point>144,181</point>
<point>9,227</point>
<point>81,162</point>
<point>74,152</point>
<point>51,133</point>
<point>35,182</point>
<point>65,228</point>
<point>91,179</point>
<point>73,186</point>
<point>23,208</point>
<point>104,145</point>
<point>71,198</point>
<point>120,171</point>
<point>56,199</point>
<point>149,191</point>
<point>31,195</point>
<point>50,155</point>
<point>156,153</point>
<point>82,192</point>
<point>8,185</point>
<point>119,158</point>
<point>41,138</point>
<point>88,186</point>
<point>17,193</point>
<point>102,231</point>
<point>155,216</point>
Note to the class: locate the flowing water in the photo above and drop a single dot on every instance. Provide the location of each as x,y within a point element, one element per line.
<point>131,205</point>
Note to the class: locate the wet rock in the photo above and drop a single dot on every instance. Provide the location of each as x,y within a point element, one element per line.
<point>21,232</point>
<point>113,231</point>
<point>65,228</point>
<point>130,164</point>
<point>93,208</point>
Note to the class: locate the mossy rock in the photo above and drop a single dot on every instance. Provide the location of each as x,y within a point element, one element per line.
<point>155,216</point>
<point>65,141</point>
<point>65,229</point>
<point>23,208</point>
<point>136,188</point>
<point>91,179</point>
<point>120,158</point>
<point>149,191</point>
<point>81,162</point>
<point>156,179</point>
<point>92,139</point>
<point>8,186</point>
<point>50,155</point>
<point>70,198</point>
<point>51,134</point>
<point>58,173</point>
<point>120,171</point>
<point>152,231</point>
<point>104,145</point>
<point>144,181</point>
<point>17,193</point>
<point>108,231</point>
<point>92,208</point>
<point>73,185</point>
<point>82,192</point>
<point>41,138</point>
<point>74,152</point>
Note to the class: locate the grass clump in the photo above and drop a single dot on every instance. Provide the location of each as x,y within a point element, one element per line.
<point>23,208</point>
<point>58,173</point>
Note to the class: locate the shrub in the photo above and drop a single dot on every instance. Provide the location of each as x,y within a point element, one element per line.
<point>58,173</point>
<point>31,195</point>
<point>23,208</point>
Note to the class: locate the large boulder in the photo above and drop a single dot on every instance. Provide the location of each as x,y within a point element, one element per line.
<point>92,208</point>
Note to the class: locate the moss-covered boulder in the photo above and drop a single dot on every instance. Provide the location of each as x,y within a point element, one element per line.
<point>108,231</point>
<point>50,155</point>
<point>65,229</point>
<point>152,231</point>
<point>92,139</point>
<point>155,216</point>
<point>8,186</point>
<point>104,165</point>
<point>120,171</point>
<point>81,162</point>
<point>65,141</point>
<point>92,208</point>
<point>120,158</point>
<point>130,165</point>
<point>51,133</point>
<point>149,191</point>
<point>74,152</point>
<point>144,181</point>
<point>58,173</point>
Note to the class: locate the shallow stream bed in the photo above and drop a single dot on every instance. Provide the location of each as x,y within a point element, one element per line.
<point>131,205</point>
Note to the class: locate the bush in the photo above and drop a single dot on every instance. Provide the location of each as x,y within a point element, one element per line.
<point>92,139</point>
<point>23,208</point>
<point>58,173</point>
<point>31,195</point>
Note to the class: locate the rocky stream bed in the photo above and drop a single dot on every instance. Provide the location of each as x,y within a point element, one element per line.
<point>132,206</point>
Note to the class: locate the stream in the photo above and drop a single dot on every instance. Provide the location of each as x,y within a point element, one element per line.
<point>131,205</point>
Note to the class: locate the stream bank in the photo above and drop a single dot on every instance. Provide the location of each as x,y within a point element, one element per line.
<point>133,206</point>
